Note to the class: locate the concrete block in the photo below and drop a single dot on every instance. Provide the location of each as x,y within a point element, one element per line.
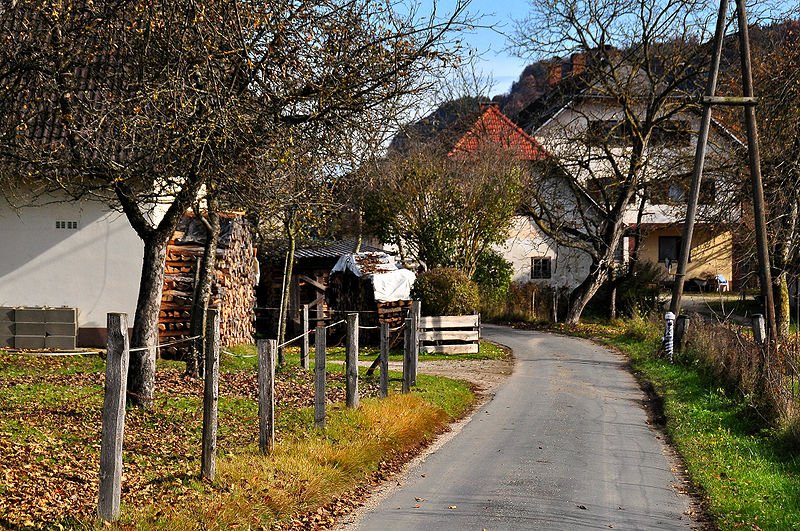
<point>6,314</point>
<point>28,341</point>
<point>6,341</point>
<point>6,328</point>
<point>29,329</point>
<point>60,315</point>
<point>60,329</point>
<point>65,342</point>
<point>29,315</point>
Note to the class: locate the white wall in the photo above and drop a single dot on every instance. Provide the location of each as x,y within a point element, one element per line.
<point>95,268</point>
<point>525,241</point>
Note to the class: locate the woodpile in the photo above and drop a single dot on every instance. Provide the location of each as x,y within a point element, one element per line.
<point>394,312</point>
<point>348,291</point>
<point>233,289</point>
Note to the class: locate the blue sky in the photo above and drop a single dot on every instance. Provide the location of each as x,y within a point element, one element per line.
<point>503,66</point>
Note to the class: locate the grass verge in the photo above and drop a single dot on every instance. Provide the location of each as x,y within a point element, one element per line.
<point>747,472</point>
<point>50,430</point>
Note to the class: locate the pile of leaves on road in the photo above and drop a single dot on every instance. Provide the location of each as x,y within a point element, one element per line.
<point>50,426</point>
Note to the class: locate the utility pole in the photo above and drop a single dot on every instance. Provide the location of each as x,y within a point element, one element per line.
<point>748,101</point>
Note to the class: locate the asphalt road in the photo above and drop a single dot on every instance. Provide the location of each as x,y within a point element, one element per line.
<point>564,444</point>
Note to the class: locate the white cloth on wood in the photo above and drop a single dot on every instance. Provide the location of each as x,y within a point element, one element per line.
<point>389,281</point>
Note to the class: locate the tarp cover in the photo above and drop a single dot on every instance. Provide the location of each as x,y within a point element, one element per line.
<point>389,281</point>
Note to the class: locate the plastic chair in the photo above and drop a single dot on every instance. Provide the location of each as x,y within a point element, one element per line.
<point>722,283</point>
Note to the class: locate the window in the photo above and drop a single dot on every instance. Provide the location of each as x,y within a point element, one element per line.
<point>672,133</point>
<point>608,132</point>
<point>541,267</point>
<point>708,192</point>
<point>669,247</point>
<point>67,225</point>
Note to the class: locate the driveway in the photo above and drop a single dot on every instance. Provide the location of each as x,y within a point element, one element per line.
<point>564,444</point>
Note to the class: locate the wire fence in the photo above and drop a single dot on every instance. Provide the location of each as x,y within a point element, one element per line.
<point>52,354</point>
<point>167,344</point>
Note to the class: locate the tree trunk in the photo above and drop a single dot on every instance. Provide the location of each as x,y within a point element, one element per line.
<point>287,282</point>
<point>780,287</point>
<point>582,294</point>
<point>142,367</point>
<point>195,363</point>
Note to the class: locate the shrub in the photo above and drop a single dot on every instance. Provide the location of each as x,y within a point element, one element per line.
<point>446,291</point>
<point>525,301</point>
<point>493,276</point>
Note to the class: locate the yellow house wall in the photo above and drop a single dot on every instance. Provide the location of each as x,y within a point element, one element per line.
<point>712,254</point>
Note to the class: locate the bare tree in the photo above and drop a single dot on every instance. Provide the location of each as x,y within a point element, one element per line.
<point>621,116</point>
<point>142,102</point>
<point>776,72</point>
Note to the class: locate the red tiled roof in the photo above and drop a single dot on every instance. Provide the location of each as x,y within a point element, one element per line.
<point>494,127</point>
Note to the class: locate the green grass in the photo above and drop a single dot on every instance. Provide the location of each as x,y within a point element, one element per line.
<point>50,426</point>
<point>747,472</point>
<point>487,351</point>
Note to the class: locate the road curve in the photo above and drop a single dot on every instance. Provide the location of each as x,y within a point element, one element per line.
<point>564,444</point>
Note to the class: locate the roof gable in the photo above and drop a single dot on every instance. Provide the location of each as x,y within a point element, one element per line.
<point>492,127</point>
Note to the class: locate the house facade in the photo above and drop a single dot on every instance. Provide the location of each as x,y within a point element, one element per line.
<point>581,130</point>
<point>72,254</point>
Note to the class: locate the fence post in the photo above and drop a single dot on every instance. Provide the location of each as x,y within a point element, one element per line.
<point>681,327</point>
<point>116,388</point>
<point>759,328</point>
<point>208,460</point>
<point>351,360</point>
<point>267,349</point>
<point>416,313</point>
<point>407,356</point>
<point>319,375</point>
<point>384,382</point>
<point>668,340</point>
<point>304,346</point>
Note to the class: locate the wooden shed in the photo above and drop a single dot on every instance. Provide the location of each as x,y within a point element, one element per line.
<point>313,263</point>
<point>233,289</point>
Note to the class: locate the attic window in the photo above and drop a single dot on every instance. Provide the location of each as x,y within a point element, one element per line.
<point>610,133</point>
<point>67,225</point>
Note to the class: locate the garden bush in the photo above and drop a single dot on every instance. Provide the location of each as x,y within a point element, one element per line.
<point>493,276</point>
<point>446,291</point>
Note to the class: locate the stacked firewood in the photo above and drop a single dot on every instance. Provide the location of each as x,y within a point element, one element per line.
<point>232,290</point>
<point>393,312</point>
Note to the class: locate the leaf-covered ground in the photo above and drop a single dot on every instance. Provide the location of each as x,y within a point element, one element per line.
<point>50,433</point>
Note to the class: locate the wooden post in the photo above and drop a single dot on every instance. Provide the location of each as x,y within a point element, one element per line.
<point>407,355</point>
<point>304,346</point>
<point>113,417</point>
<point>319,376</point>
<point>351,360</point>
<point>267,350</point>
<point>208,460</point>
<point>681,327</point>
<point>759,328</point>
<point>416,314</point>
<point>384,383</point>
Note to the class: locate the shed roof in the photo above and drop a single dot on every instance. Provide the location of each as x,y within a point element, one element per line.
<point>332,248</point>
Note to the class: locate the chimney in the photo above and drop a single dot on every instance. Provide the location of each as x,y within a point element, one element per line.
<point>578,63</point>
<point>554,75</point>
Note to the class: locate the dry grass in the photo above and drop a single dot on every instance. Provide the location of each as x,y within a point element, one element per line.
<point>307,471</point>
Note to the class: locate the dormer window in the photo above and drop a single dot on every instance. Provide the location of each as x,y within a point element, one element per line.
<point>66,225</point>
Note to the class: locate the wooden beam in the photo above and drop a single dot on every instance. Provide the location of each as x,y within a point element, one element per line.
<point>450,321</point>
<point>318,285</point>
<point>471,348</point>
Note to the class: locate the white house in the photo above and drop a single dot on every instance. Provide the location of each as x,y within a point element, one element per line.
<point>75,254</point>
<point>564,122</point>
